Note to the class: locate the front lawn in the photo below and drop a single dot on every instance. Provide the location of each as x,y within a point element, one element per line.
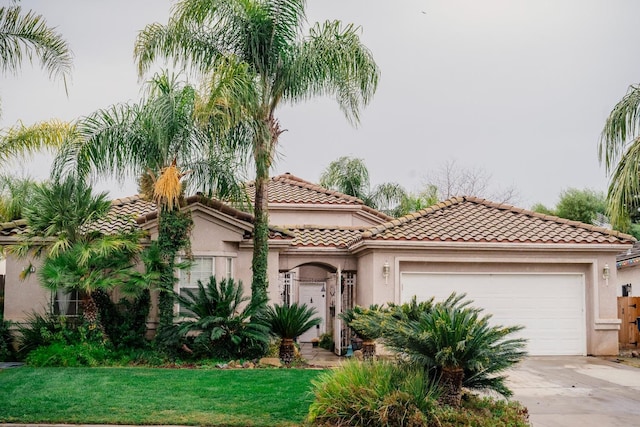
<point>256,397</point>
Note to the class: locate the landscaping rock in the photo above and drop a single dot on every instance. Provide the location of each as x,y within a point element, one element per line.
<point>222,365</point>
<point>635,354</point>
<point>248,365</point>
<point>271,361</point>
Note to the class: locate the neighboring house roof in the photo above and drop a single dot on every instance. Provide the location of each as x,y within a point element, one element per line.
<point>629,258</point>
<point>470,219</point>
<point>290,189</point>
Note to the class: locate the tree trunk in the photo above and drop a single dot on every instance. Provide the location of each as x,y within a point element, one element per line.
<point>287,351</point>
<point>259,262</point>
<point>368,350</point>
<point>451,382</point>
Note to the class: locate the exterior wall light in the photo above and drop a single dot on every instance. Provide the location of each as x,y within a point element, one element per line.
<point>605,272</point>
<point>386,270</point>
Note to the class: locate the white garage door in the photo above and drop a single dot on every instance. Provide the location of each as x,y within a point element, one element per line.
<point>551,307</point>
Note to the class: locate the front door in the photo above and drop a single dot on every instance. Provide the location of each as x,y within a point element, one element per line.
<point>313,295</point>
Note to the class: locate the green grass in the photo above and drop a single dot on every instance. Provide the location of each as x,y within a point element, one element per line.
<point>257,397</point>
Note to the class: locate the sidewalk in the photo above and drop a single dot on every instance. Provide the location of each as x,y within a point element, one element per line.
<point>320,357</point>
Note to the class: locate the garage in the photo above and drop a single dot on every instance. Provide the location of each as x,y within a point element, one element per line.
<point>551,307</point>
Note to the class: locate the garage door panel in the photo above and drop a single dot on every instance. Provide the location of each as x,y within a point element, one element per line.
<point>549,306</point>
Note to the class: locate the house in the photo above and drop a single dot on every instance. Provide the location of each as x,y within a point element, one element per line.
<point>330,251</point>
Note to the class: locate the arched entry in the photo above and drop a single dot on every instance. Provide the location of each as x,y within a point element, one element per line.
<point>326,288</point>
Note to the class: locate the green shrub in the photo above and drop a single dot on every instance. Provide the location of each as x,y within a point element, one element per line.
<point>74,355</point>
<point>43,330</point>
<point>483,412</point>
<point>6,341</point>
<point>125,322</point>
<point>373,394</point>
<point>326,341</point>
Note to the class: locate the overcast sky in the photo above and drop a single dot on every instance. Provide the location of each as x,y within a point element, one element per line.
<point>517,88</point>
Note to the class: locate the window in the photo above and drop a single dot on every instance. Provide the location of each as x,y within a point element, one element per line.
<point>67,303</point>
<point>202,268</point>
<point>229,268</point>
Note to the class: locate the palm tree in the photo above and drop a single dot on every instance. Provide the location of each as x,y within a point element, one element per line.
<point>15,195</point>
<point>619,150</point>
<point>351,176</point>
<point>170,135</point>
<point>261,42</point>
<point>289,322</point>
<point>78,257</point>
<point>23,36</point>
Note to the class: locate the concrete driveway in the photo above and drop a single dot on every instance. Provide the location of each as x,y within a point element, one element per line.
<point>577,392</point>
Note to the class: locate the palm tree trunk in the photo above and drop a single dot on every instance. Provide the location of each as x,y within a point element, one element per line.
<point>261,226</point>
<point>451,382</point>
<point>287,351</point>
<point>368,350</point>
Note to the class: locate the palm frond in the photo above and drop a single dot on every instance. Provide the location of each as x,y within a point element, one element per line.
<point>332,62</point>
<point>290,321</point>
<point>622,196</point>
<point>620,128</point>
<point>23,141</point>
<point>23,36</point>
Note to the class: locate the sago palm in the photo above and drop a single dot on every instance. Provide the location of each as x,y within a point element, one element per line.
<point>222,319</point>
<point>457,342</point>
<point>288,322</point>
<point>261,42</point>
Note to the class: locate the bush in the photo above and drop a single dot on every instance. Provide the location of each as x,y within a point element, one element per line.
<point>44,330</point>
<point>377,393</point>
<point>326,341</point>
<point>125,322</point>
<point>6,341</point>
<point>483,412</point>
<point>74,355</point>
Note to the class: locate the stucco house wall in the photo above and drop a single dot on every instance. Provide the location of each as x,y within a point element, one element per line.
<point>23,297</point>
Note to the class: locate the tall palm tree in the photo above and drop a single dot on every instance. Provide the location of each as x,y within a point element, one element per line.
<point>264,36</point>
<point>171,136</point>
<point>25,35</point>
<point>619,150</point>
<point>351,176</point>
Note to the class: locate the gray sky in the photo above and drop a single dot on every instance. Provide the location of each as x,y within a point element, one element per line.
<point>517,88</point>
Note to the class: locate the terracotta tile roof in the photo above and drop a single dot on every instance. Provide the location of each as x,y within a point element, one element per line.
<point>470,219</point>
<point>324,236</point>
<point>123,215</point>
<point>13,228</point>
<point>274,232</point>
<point>287,188</point>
